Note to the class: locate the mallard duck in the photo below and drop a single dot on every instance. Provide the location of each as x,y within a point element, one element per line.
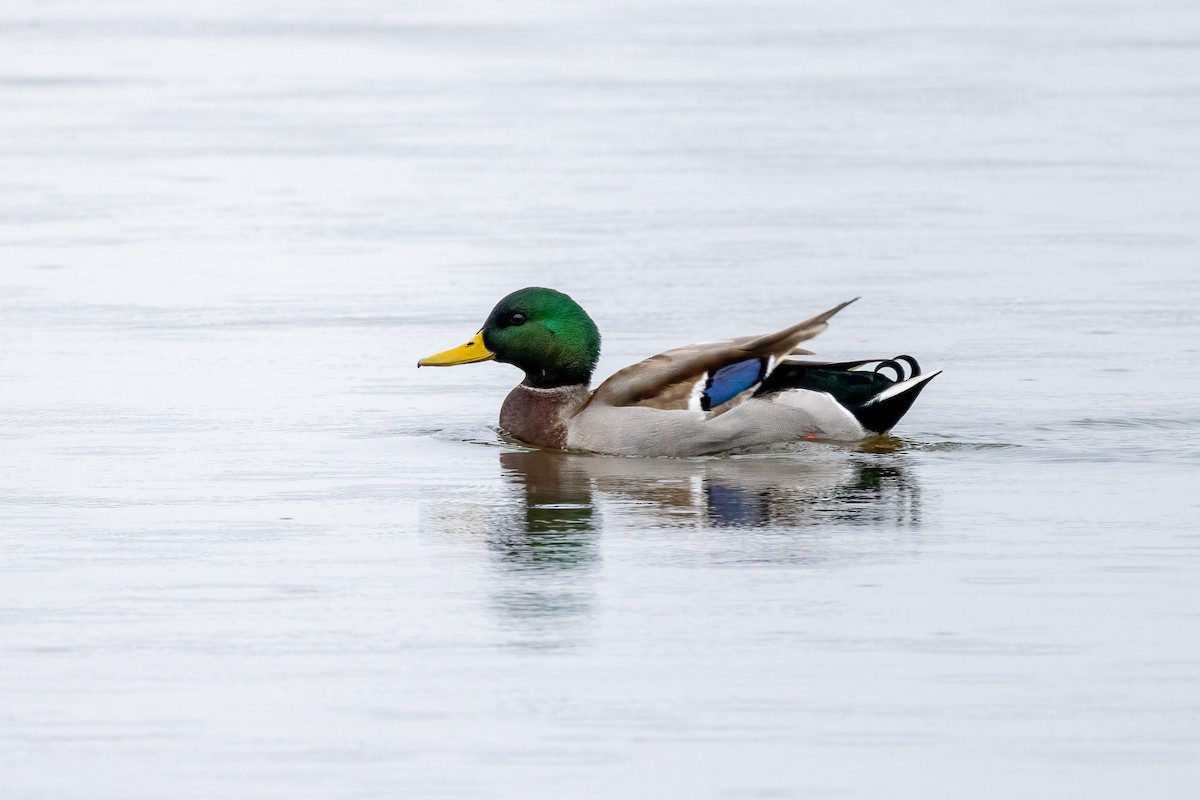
<point>742,393</point>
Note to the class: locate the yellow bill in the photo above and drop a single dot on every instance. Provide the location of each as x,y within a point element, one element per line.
<point>468,353</point>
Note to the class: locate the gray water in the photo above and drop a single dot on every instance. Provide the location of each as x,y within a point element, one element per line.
<point>249,551</point>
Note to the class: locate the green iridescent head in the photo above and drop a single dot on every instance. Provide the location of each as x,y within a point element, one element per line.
<point>541,331</point>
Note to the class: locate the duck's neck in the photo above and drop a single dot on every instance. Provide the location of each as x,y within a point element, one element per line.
<point>556,376</point>
<point>539,416</point>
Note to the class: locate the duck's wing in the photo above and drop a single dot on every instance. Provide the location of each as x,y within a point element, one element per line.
<point>710,376</point>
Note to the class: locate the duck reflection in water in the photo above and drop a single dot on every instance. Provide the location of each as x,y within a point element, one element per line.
<point>548,542</point>
<point>732,492</point>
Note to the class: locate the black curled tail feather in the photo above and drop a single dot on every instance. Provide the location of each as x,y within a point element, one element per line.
<point>881,414</point>
<point>864,388</point>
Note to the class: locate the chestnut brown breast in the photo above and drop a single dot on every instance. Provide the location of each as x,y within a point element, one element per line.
<point>539,416</point>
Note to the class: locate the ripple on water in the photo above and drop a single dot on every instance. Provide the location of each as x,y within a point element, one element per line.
<point>955,446</point>
<point>1151,423</point>
<point>492,436</point>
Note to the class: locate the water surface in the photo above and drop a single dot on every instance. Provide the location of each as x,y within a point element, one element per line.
<point>250,551</point>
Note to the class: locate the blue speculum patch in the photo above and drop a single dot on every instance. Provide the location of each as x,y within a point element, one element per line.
<point>730,381</point>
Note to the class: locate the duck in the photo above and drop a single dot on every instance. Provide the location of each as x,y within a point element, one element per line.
<point>733,395</point>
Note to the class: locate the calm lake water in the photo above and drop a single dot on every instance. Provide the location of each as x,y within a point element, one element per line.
<point>249,551</point>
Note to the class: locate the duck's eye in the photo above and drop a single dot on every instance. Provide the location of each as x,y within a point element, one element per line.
<point>515,318</point>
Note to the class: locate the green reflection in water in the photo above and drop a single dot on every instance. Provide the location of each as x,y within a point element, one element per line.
<point>558,517</point>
